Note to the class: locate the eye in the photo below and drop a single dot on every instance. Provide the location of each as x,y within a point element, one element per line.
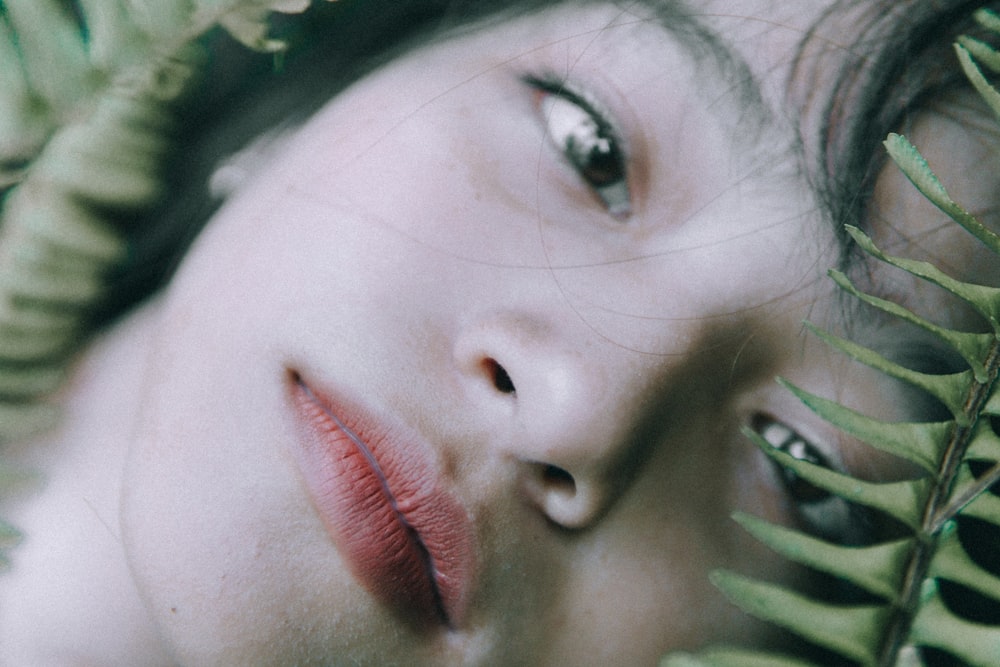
<point>588,141</point>
<point>820,512</point>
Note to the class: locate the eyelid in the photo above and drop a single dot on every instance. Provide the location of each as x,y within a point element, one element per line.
<point>823,513</point>
<point>550,83</point>
<point>782,436</point>
<point>616,196</point>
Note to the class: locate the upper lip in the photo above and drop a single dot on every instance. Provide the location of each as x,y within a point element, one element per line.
<point>406,539</point>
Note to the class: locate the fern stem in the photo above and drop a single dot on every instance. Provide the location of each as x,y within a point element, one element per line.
<point>991,477</point>
<point>937,512</point>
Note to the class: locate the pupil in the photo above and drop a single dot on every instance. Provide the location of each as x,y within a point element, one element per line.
<point>602,167</point>
<point>801,490</point>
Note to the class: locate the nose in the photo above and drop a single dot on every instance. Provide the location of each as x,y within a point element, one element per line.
<point>563,410</point>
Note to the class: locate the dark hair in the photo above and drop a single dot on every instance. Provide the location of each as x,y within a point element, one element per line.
<point>900,59</point>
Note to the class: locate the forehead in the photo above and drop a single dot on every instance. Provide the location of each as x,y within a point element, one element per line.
<point>732,58</point>
<point>671,73</point>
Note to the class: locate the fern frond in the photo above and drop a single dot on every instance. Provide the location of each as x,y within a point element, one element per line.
<point>972,347</point>
<point>984,300</point>
<point>86,121</point>
<point>919,443</point>
<point>982,52</point>
<point>915,167</point>
<point>875,569</point>
<point>851,631</point>
<point>988,19</point>
<point>950,389</point>
<point>910,610</point>
<point>87,118</point>
<point>928,506</point>
<point>900,500</point>
<point>937,626</point>
<point>732,657</point>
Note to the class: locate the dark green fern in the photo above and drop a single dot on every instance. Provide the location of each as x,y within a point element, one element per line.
<point>906,615</point>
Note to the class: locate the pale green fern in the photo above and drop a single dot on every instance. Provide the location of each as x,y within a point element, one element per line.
<point>85,124</point>
<point>904,614</point>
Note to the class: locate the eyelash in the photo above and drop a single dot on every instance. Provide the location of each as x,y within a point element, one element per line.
<point>820,512</point>
<point>588,141</point>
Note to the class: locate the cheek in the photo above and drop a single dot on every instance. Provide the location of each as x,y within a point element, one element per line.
<point>643,587</point>
<point>223,545</point>
<point>219,537</point>
<point>640,602</point>
<point>446,174</point>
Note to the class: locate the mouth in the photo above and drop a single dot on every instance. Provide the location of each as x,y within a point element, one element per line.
<point>406,540</point>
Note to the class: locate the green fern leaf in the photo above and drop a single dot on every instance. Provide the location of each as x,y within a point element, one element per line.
<point>919,443</point>
<point>93,93</point>
<point>937,626</point>
<point>901,500</point>
<point>876,569</point>
<point>951,389</point>
<point>981,52</point>
<point>960,458</point>
<point>953,564</point>
<point>988,19</point>
<point>732,657</point>
<point>21,421</point>
<point>850,631</point>
<point>913,164</point>
<point>52,51</point>
<point>973,347</point>
<point>23,125</point>
<point>975,75</point>
<point>985,300</point>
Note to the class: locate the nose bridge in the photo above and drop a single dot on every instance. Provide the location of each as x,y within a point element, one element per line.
<point>570,410</point>
<point>564,403</point>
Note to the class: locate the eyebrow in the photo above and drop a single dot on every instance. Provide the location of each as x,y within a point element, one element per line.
<point>706,46</point>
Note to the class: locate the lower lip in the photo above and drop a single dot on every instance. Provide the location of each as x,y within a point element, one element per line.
<point>406,540</point>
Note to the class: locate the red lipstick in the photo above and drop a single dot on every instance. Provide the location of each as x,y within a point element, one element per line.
<point>406,540</point>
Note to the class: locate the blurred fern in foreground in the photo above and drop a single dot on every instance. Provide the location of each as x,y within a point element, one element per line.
<point>931,594</point>
<point>86,121</point>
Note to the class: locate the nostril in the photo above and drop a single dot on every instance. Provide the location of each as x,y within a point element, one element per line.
<point>565,501</point>
<point>501,380</point>
<point>555,476</point>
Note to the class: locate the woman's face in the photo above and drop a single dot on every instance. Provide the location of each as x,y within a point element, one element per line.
<point>460,376</point>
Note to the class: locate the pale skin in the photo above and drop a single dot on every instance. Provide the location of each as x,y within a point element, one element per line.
<point>404,257</point>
